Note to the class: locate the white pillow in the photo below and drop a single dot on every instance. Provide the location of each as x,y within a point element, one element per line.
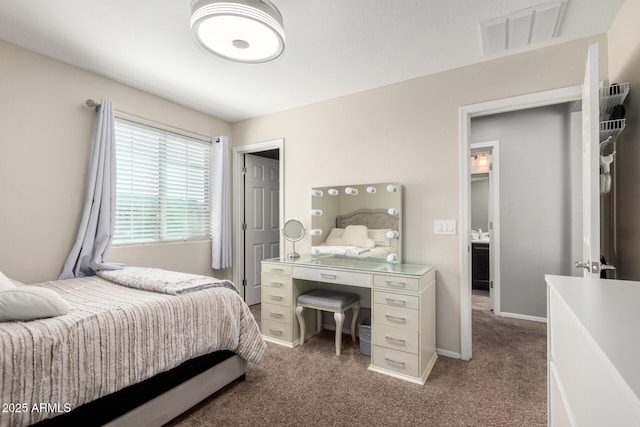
<point>356,235</point>
<point>5,282</point>
<point>335,233</point>
<point>335,237</point>
<point>31,302</point>
<point>379,235</point>
<point>334,241</point>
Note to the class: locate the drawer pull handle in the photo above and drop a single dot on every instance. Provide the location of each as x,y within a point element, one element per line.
<point>396,284</point>
<point>278,270</point>
<point>277,298</point>
<point>277,284</point>
<point>328,276</point>
<point>276,331</point>
<point>277,315</point>
<point>394,362</point>
<point>396,341</point>
<point>395,301</point>
<point>395,318</point>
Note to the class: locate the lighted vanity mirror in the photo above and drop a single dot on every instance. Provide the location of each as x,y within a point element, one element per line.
<point>362,221</point>
<point>293,231</point>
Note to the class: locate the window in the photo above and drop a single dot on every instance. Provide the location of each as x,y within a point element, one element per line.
<point>163,185</point>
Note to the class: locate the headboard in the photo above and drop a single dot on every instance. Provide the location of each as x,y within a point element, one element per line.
<point>371,218</point>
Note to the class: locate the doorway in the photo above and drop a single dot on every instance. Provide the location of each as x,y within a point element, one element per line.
<point>485,225</point>
<point>258,212</point>
<point>513,104</point>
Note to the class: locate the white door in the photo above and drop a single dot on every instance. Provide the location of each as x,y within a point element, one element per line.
<point>591,167</point>
<point>262,234</point>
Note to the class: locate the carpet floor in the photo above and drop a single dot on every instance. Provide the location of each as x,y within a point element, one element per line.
<point>503,385</point>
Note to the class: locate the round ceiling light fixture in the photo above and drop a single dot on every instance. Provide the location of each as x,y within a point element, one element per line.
<point>248,31</point>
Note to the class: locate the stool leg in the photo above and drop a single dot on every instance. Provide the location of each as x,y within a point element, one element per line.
<point>319,321</point>
<point>339,317</point>
<point>300,317</point>
<point>356,310</point>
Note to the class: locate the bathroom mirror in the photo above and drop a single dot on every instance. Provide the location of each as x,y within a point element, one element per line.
<point>293,231</point>
<point>363,221</point>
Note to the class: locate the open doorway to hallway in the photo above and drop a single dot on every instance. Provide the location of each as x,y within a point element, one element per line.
<point>537,166</point>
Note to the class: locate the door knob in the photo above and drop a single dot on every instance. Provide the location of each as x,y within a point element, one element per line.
<point>593,267</point>
<point>584,265</point>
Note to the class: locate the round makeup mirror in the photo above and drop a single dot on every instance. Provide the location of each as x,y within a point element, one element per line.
<point>293,231</point>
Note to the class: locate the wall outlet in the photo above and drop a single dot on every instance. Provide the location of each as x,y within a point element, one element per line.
<point>444,226</point>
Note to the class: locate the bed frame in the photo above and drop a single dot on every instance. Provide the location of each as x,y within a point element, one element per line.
<point>161,398</point>
<point>371,218</point>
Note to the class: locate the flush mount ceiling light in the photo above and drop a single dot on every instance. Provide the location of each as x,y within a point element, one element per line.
<point>248,31</point>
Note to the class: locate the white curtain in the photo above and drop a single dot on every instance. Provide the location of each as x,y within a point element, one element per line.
<point>96,226</point>
<point>220,204</point>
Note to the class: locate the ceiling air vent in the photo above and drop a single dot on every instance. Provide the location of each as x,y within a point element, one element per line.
<point>532,25</point>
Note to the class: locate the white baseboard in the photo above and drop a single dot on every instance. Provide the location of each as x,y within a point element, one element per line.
<point>448,353</point>
<point>524,317</point>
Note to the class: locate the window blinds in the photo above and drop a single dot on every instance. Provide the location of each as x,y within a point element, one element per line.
<point>163,185</point>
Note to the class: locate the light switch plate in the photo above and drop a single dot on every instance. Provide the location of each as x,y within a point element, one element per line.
<point>444,226</point>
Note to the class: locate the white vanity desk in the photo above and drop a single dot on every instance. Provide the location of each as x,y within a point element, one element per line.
<point>403,326</point>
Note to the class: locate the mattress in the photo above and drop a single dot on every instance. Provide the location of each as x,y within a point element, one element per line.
<point>114,336</point>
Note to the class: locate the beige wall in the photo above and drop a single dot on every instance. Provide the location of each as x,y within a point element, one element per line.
<point>408,132</point>
<point>45,148</point>
<point>624,66</point>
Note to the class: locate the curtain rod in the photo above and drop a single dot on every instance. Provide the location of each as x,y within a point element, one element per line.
<point>144,121</point>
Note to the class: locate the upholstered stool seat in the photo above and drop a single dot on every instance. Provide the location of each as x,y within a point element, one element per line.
<point>334,301</point>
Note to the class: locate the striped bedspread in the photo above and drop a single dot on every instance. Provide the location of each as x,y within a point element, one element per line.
<point>113,337</point>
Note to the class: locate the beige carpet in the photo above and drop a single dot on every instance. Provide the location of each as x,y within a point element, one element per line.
<point>504,385</point>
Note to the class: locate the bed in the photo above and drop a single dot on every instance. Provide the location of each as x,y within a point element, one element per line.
<point>378,223</point>
<point>123,356</point>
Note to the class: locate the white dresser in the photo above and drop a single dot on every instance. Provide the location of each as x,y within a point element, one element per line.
<point>593,347</point>
<point>402,296</point>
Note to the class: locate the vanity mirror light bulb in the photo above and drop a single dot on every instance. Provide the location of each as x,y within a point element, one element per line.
<point>392,258</point>
<point>333,192</point>
<point>392,211</point>
<point>352,191</point>
<point>393,234</point>
<point>316,193</point>
<point>392,188</point>
<point>315,251</point>
<point>316,212</point>
<point>371,190</point>
<point>316,232</point>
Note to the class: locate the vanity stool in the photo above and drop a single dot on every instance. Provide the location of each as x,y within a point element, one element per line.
<point>334,301</point>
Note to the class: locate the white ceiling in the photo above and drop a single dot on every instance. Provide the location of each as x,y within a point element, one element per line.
<point>334,47</point>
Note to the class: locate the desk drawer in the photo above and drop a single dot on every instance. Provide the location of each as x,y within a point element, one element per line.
<point>395,338</point>
<point>333,276</point>
<point>276,330</point>
<point>276,313</point>
<point>396,282</point>
<point>396,317</point>
<point>276,296</point>
<point>396,300</point>
<point>394,360</point>
<point>276,268</point>
<point>275,281</point>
